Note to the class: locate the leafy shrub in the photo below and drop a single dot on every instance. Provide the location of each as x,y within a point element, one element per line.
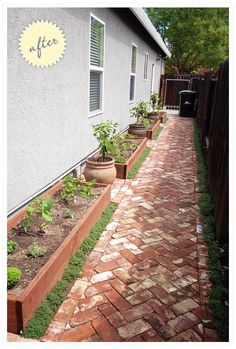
<point>35,250</point>
<point>70,189</point>
<point>104,133</point>
<point>154,99</point>
<point>12,246</point>
<point>13,276</point>
<point>205,204</point>
<point>139,111</point>
<point>86,189</point>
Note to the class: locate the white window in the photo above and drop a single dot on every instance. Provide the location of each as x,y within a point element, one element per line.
<point>145,72</point>
<point>97,32</point>
<point>133,72</point>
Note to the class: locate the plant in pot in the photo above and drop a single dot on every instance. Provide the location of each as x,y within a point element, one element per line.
<point>155,106</point>
<point>102,168</point>
<point>139,112</point>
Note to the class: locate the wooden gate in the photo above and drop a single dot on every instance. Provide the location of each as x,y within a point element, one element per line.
<point>171,85</point>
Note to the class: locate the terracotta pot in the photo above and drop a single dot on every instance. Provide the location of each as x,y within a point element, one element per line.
<point>138,130</point>
<point>102,171</point>
<point>153,115</point>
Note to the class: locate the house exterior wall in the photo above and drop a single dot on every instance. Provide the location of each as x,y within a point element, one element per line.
<point>49,128</point>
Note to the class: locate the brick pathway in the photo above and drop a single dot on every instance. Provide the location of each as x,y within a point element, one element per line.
<point>147,277</point>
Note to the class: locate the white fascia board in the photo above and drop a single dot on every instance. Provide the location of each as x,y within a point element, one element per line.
<point>147,24</point>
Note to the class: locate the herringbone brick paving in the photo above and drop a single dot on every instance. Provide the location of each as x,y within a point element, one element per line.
<point>147,277</point>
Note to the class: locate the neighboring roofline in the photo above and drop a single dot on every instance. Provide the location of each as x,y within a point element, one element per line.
<point>147,24</point>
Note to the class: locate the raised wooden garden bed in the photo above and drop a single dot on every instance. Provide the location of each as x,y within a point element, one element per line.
<point>123,169</point>
<point>152,131</point>
<point>22,306</point>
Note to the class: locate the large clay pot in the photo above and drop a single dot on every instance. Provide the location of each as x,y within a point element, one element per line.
<point>102,171</point>
<point>137,129</point>
<point>154,116</point>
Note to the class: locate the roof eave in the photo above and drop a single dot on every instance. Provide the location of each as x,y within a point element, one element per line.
<point>141,15</point>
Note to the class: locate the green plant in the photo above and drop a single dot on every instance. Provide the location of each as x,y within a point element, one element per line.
<point>35,250</point>
<point>104,133</point>
<point>146,123</point>
<point>12,246</point>
<point>86,189</point>
<point>154,102</point>
<point>121,144</point>
<point>70,187</point>
<point>38,325</point>
<point>13,276</point>
<point>139,111</point>
<point>68,213</point>
<point>42,208</point>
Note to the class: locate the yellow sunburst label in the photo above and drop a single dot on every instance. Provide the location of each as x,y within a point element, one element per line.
<point>42,44</point>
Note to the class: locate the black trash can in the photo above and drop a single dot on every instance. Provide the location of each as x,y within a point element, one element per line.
<point>188,103</point>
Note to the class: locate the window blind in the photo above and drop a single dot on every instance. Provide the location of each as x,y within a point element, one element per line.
<point>96,43</point>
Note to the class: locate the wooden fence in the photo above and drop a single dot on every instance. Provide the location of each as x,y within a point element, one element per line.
<point>213,122</point>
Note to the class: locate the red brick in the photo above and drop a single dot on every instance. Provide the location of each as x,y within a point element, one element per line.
<point>139,297</point>
<point>106,275</point>
<point>105,330</point>
<point>183,322</point>
<point>135,240</point>
<point>98,288</point>
<point>54,331</point>
<point>116,319</point>
<point>91,302</point>
<point>117,300</point>
<point>80,317</point>
<point>187,336</point>
<point>77,334</point>
<point>130,256</point>
<point>152,336</point>
<point>124,275</point>
<point>133,328</point>
<point>66,310</point>
<point>163,311</point>
<point>137,338</point>
<point>137,312</point>
<point>163,330</point>
<point>106,266</point>
<point>121,287</point>
<point>147,254</point>
<point>107,309</point>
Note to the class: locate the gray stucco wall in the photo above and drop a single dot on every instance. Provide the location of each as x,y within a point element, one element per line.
<point>49,129</point>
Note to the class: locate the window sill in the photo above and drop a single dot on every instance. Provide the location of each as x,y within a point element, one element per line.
<point>95,113</point>
<point>130,102</point>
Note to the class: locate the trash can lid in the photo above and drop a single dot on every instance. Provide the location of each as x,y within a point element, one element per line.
<point>188,91</point>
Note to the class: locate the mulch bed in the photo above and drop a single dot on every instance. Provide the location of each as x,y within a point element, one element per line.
<point>54,234</point>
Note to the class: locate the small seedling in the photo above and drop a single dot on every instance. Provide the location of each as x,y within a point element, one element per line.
<point>35,250</point>
<point>68,214</point>
<point>139,111</point>
<point>12,246</point>
<point>40,207</point>
<point>13,276</point>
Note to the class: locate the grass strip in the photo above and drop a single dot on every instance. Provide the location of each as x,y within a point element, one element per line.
<point>217,256</point>
<point>38,325</point>
<point>134,170</point>
<point>156,134</point>
<point>165,119</point>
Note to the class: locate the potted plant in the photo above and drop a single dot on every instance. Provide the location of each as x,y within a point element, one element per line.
<point>139,111</point>
<point>155,107</point>
<point>102,168</point>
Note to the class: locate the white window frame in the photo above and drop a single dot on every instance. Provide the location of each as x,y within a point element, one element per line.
<point>133,74</point>
<point>145,70</point>
<point>96,68</point>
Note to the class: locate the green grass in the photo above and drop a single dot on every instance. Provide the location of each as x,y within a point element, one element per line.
<point>218,297</point>
<point>38,325</point>
<point>134,170</point>
<point>165,119</point>
<point>156,134</point>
